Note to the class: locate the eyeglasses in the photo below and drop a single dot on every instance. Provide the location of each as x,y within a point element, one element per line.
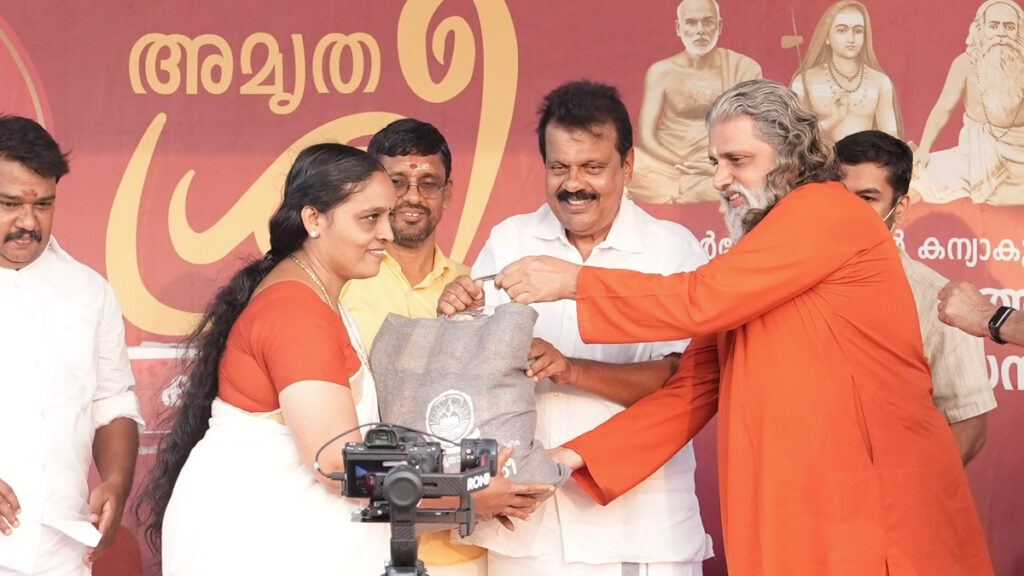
<point>427,189</point>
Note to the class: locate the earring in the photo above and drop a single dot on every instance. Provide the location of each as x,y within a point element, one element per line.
<point>314,234</point>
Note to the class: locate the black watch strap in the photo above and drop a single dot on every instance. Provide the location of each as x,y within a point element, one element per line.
<point>997,322</point>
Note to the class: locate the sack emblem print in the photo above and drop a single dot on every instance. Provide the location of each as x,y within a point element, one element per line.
<point>450,415</point>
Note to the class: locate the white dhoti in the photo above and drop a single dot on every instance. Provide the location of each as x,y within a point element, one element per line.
<point>58,555</point>
<point>980,167</point>
<point>246,504</point>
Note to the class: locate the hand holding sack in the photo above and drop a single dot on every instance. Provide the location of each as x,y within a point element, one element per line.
<point>465,378</point>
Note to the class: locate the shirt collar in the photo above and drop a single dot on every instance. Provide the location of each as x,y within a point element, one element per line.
<point>440,267</point>
<point>441,264</point>
<point>624,235</point>
<point>52,251</point>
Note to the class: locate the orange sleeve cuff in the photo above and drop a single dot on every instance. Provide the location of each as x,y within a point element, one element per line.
<point>583,477</point>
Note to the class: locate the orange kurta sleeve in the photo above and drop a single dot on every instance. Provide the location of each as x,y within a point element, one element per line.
<point>634,443</point>
<point>833,460</point>
<point>774,263</point>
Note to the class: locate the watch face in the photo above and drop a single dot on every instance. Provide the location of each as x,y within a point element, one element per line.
<point>997,322</point>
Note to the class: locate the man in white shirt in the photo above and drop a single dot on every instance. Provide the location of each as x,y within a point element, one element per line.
<point>65,382</point>
<point>586,142</point>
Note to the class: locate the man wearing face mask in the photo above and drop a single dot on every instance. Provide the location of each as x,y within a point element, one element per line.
<point>877,167</point>
<point>671,153</point>
<point>586,143</point>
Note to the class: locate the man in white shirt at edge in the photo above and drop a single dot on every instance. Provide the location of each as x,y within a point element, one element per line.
<point>65,381</point>
<point>586,143</point>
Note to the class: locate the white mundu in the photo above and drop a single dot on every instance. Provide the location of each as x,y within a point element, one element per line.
<point>245,488</point>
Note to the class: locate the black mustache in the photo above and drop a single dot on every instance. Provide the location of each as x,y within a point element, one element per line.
<point>420,207</point>
<point>18,234</point>
<point>565,195</point>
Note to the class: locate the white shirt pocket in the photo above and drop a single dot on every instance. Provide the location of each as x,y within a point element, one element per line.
<point>74,358</point>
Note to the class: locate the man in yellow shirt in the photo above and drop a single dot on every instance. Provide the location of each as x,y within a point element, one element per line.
<point>413,275</point>
<point>414,271</point>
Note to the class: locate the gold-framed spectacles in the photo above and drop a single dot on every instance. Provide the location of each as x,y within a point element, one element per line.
<point>427,188</point>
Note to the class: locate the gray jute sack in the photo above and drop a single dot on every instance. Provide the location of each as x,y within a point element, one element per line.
<point>465,378</point>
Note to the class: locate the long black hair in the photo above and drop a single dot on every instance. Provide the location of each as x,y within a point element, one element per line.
<point>323,176</point>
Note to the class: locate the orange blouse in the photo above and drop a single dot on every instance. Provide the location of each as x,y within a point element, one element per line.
<point>286,334</point>
<point>833,460</point>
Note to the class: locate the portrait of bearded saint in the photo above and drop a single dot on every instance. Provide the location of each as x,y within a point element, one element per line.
<point>998,63</point>
<point>987,164</point>
<point>840,77</point>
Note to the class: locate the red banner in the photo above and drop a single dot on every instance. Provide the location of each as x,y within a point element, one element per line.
<point>182,120</point>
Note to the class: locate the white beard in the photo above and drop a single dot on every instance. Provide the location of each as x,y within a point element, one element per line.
<point>695,50</point>
<point>734,217</point>
<point>1001,80</point>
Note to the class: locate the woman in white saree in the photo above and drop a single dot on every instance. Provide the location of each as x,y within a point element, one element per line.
<point>276,374</point>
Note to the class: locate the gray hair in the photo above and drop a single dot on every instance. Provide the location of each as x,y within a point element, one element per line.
<point>802,156</point>
<point>975,34</point>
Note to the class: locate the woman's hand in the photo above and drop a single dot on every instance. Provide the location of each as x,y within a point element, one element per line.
<point>505,499</point>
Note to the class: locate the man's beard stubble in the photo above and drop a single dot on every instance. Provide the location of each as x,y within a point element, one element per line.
<point>418,235</point>
<point>1000,70</point>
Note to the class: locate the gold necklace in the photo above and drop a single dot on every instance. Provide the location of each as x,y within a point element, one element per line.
<point>315,279</point>
<point>357,342</point>
<point>357,345</point>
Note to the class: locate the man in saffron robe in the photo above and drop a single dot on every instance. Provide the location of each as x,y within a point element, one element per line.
<point>833,459</point>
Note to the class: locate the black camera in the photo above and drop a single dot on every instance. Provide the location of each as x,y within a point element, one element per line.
<point>384,447</point>
<point>396,467</point>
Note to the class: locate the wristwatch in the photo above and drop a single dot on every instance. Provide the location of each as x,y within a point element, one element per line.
<point>997,321</point>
